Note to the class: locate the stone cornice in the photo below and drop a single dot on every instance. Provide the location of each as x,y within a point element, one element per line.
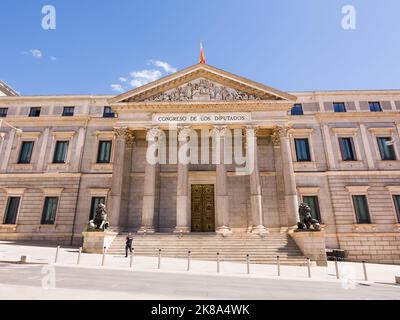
<point>201,106</point>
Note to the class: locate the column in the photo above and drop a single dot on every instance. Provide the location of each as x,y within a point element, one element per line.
<point>222,198</point>
<point>257,218</point>
<point>121,137</point>
<point>182,194</point>
<point>291,199</point>
<point>150,175</point>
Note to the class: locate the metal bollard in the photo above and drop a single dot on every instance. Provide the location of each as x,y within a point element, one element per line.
<point>188,265</point>
<point>248,263</point>
<point>131,262</point>
<point>365,271</point>
<point>159,259</point>
<point>218,262</point>
<point>309,267</point>
<point>278,260</point>
<point>79,256</point>
<point>58,250</point>
<point>337,269</point>
<point>103,260</point>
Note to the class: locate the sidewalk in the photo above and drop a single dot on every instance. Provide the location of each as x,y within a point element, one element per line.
<point>349,271</point>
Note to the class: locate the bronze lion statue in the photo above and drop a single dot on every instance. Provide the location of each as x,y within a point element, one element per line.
<point>306,219</point>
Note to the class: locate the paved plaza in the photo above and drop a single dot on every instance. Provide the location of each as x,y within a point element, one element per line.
<point>41,278</point>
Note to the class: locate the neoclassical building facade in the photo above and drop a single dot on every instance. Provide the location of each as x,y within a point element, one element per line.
<point>337,151</point>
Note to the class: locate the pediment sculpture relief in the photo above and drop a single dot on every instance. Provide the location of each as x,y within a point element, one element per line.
<point>203,90</point>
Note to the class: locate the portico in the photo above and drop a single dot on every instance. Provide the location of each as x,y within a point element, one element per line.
<point>188,126</point>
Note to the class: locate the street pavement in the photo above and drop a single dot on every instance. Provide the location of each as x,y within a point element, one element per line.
<point>42,278</point>
<point>60,282</point>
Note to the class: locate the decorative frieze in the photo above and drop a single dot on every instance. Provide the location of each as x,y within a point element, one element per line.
<point>203,90</point>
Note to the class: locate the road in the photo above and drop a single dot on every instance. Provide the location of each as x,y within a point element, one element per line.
<point>38,282</point>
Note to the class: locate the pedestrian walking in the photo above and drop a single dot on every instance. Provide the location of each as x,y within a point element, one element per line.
<point>128,244</point>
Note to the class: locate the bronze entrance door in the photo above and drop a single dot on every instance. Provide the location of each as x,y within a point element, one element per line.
<point>203,209</point>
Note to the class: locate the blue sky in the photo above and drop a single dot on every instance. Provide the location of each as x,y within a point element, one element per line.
<point>291,45</point>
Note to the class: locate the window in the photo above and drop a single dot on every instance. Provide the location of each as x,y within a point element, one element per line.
<point>26,152</point>
<point>302,150</point>
<point>60,152</point>
<point>68,111</point>
<point>347,149</point>
<point>12,210</point>
<point>375,107</point>
<point>35,112</point>
<point>297,110</point>
<point>312,202</point>
<point>396,200</point>
<point>361,209</point>
<point>339,107</point>
<point>95,202</point>
<point>49,210</point>
<point>3,112</point>
<point>104,152</point>
<point>386,148</point>
<point>108,113</point>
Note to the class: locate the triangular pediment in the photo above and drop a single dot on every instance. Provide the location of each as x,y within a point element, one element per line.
<point>202,83</point>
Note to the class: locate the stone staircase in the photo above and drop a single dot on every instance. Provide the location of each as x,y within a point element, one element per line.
<point>262,250</point>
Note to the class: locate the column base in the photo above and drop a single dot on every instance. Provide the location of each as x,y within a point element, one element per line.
<point>224,231</point>
<point>146,230</point>
<point>259,230</point>
<point>179,230</point>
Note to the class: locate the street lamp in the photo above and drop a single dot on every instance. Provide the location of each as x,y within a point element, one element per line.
<point>10,125</point>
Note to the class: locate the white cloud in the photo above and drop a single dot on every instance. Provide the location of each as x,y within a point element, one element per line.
<point>141,77</point>
<point>36,53</point>
<point>52,58</point>
<point>164,65</point>
<point>117,87</point>
<point>147,75</point>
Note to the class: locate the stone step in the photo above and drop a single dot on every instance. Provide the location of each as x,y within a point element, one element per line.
<point>205,247</point>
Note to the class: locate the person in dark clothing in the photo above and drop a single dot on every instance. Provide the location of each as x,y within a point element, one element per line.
<point>128,244</point>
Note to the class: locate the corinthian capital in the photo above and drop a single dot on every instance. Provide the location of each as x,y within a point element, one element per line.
<point>121,132</point>
<point>219,131</point>
<point>153,133</point>
<point>251,131</point>
<point>184,133</point>
<point>278,133</point>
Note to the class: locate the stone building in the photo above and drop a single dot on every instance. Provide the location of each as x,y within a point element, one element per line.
<point>338,151</point>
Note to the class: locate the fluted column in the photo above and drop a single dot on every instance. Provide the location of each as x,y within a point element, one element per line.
<point>182,194</point>
<point>222,198</point>
<point>121,137</point>
<point>257,217</point>
<point>150,176</point>
<point>292,203</point>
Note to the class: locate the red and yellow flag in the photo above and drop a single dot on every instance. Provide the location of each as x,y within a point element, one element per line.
<point>202,57</point>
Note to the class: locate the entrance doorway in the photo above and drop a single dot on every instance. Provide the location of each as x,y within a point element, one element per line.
<point>203,208</point>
